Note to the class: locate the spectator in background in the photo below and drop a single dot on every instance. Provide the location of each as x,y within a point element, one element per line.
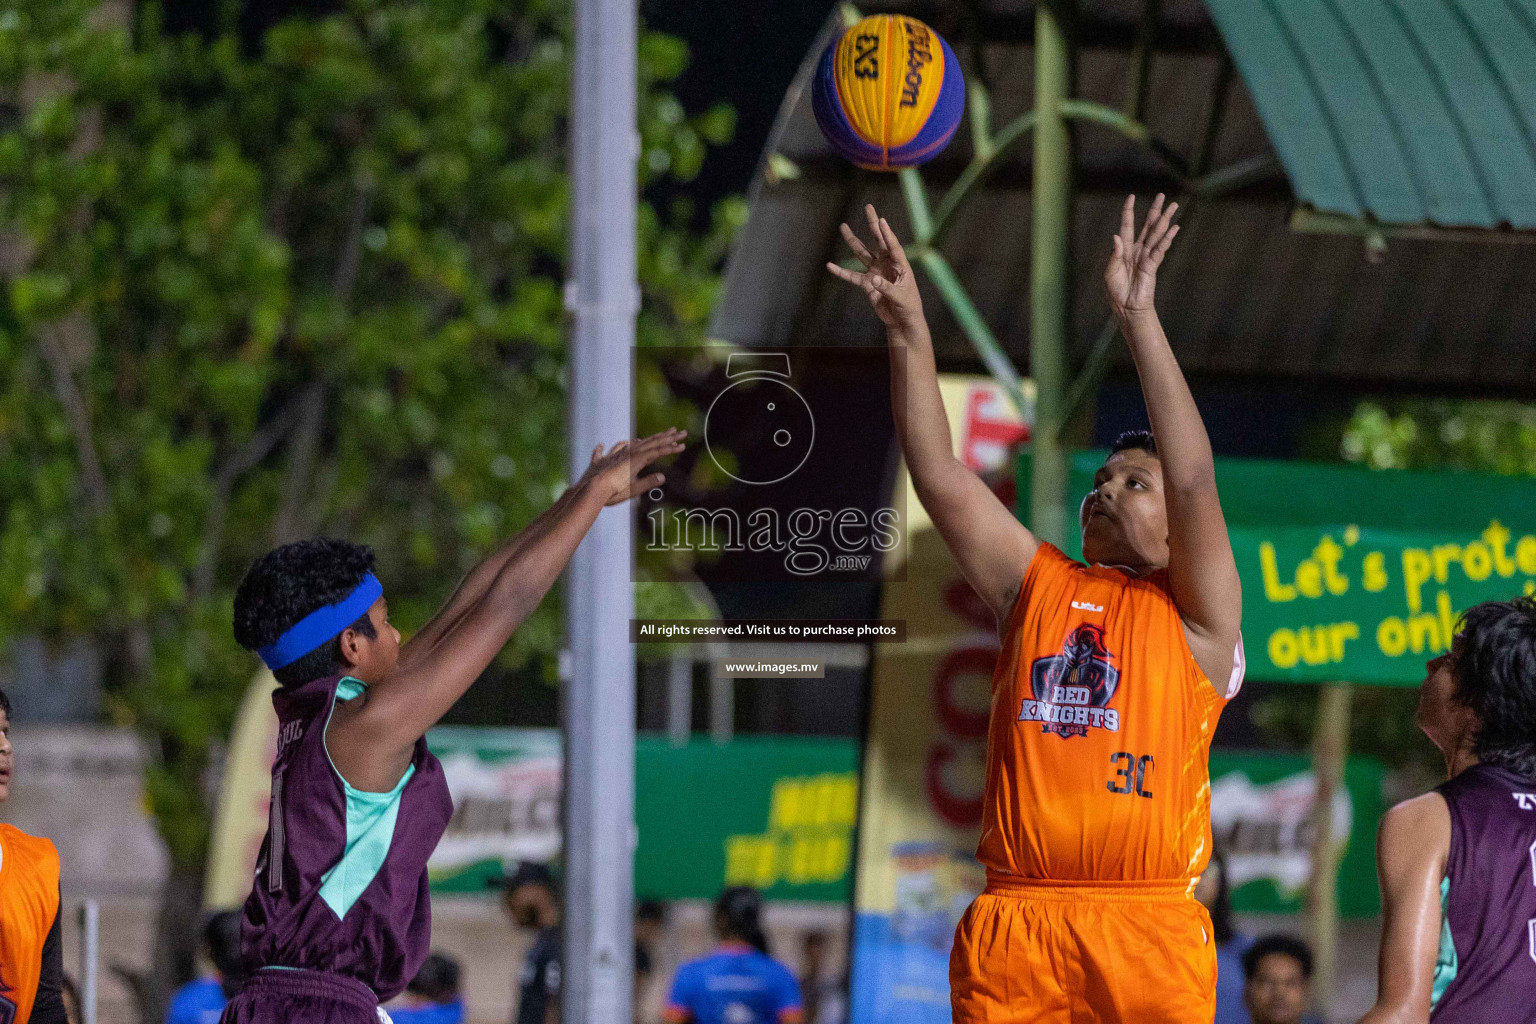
<point>432,997</point>
<point>201,1001</point>
<point>739,983</point>
<point>533,902</point>
<point>1278,969</point>
<point>826,997</point>
<point>1214,890</point>
<point>650,926</point>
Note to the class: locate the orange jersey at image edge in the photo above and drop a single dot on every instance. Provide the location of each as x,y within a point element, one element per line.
<point>29,905</point>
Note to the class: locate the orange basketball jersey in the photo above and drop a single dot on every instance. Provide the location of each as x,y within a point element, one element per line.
<point>29,912</point>
<point>1097,752</point>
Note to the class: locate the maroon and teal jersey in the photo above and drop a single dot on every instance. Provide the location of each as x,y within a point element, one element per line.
<point>341,883</point>
<point>1486,971</point>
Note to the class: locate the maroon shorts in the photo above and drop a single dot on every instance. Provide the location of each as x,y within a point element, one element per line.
<point>302,997</point>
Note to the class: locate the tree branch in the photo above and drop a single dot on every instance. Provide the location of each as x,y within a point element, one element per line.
<point>304,446</point>
<point>245,458</point>
<point>78,415</point>
<point>302,450</point>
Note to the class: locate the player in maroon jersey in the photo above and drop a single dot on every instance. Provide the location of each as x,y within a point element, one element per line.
<point>1458,864</point>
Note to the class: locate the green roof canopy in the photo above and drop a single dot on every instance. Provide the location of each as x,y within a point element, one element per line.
<point>1399,111</point>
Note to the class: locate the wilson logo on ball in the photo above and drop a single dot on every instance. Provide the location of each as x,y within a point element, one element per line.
<point>888,93</point>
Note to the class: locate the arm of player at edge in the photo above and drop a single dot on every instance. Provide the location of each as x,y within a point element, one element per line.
<point>1411,848</point>
<point>992,548</point>
<point>372,738</point>
<point>1201,569</point>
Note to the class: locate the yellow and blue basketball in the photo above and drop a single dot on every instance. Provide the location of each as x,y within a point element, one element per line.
<point>888,93</point>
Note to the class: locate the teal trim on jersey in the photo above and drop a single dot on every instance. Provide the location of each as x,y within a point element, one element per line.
<point>1445,960</point>
<point>370,827</point>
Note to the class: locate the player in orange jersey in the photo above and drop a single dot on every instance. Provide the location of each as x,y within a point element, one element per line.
<point>31,955</point>
<point>1108,687</point>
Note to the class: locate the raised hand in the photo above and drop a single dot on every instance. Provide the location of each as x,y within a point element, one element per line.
<point>1131,276</point>
<point>887,279</point>
<point>615,475</point>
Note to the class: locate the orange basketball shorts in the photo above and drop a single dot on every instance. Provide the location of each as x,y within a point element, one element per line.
<point>1028,953</point>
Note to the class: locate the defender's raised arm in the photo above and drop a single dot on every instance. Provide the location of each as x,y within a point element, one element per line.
<point>992,547</point>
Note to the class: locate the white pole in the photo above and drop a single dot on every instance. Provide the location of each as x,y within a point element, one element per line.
<point>599,697</point>
<point>90,954</point>
<point>680,698</point>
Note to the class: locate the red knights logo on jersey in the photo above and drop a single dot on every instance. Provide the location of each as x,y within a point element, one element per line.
<point>1072,689</point>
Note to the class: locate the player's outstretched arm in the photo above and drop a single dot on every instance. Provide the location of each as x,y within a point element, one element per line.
<point>1201,568</point>
<point>473,587</point>
<point>992,547</point>
<point>1411,848</point>
<point>370,739</point>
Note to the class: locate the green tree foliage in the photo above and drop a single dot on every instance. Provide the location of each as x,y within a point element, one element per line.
<point>316,287</point>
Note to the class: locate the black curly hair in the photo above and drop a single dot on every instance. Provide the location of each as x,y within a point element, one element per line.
<point>737,915</point>
<point>288,583</point>
<point>1285,945</point>
<point>1493,659</point>
<point>437,979</point>
<point>1129,439</point>
<point>5,704</point>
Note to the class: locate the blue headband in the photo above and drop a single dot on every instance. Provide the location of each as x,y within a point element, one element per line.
<point>321,625</point>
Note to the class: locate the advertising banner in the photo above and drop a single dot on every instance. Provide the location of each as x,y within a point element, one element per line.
<point>773,812</point>
<point>1354,574</point>
<point>1261,816</point>
<point>776,813</point>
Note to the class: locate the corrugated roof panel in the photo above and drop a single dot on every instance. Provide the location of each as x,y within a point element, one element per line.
<point>1359,124</point>
<point>1410,111</point>
<point>1458,55</point>
<point>1287,100</point>
<point>1444,174</point>
<point>1509,34</point>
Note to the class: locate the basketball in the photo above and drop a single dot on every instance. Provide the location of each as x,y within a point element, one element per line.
<point>888,93</point>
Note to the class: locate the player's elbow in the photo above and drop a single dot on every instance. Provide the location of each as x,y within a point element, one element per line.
<point>934,474</point>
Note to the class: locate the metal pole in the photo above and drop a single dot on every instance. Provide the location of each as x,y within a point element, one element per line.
<point>1330,751</point>
<point>680,698</point>
<point>90,955</point>
<point>1048,275</point>
<point>722,709</point>
<point>599,704</point>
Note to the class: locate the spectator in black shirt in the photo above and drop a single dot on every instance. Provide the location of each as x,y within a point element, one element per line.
<point>533,901</point>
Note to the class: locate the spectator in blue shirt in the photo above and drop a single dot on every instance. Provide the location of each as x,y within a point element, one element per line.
<point>739,983</point>
<point>202,1000</point>
<point>432,997</point>
<point>1215,891</point>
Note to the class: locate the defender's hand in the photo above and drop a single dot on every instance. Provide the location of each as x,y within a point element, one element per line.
<point>615,475</point>
<point>887,280</point>
<point>1131,276</point>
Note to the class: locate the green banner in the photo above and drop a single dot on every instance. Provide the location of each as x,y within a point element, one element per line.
<point>1261,816</point>
<point>1353,574</point>
<point>776,812</point>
